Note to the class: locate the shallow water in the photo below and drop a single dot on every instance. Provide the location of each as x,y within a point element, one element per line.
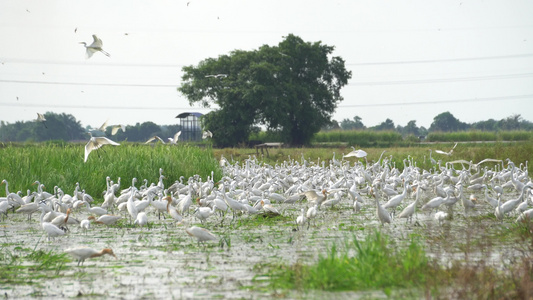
<point>162,261</point>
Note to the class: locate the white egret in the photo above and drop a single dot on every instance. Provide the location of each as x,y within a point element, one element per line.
<point>431,159</point>
<point>396,200</point>
<point>142,219</point>
<point>172,211</point>
<point>410,209</point>
<point>441,216</point>
<point>202,213</point>
<point>174,140</point>
<point>269,209</point>
<point>154,138</point>
<point>106,219</point>
<point>512,204</point>
<point>300,220</point>
<point>217,75</point>
<point>99,211</point>
<point>315,198</point>
<point>82,253</point>
<point>49,228</point>
<point>95,143</point>
<point>114,128</point>
<point>437,201</point>
<point>449,153</point>
<point>207,134</point>
<point>28,209</point>
<point>201,234</point>
<point>41,118</point>
<point>356,153</point>
<point>85,225</point>
<point>311,214</point>
<point>94,47</point>
<point>131,207</point>
<point>382,214</point>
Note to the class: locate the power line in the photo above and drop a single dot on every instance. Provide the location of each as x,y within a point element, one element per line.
<point>91,84</point>
<point>99,106</point>
<point>91,64</point>
<point>401,62</point>
<point>486,99</point>
<point>502,98</point>
<point>360,83</point>
<point>439,80</point>
<point>111,64</point>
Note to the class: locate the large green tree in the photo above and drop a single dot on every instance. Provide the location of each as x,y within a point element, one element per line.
<point>447,122</point>
<point>292,88</point>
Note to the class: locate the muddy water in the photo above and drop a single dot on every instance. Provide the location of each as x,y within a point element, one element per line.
<point>162,261</point>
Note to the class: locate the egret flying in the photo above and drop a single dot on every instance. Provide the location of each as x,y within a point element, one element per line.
<point>207,134</point>
<point>174,140</point>
<point>155,138</point>
<point>217,75</point>
<point>449,153</point>
<point>94,47</point>
<point>356,153</point>
<point>41,118</point>
<point>114,128</point>
<point>95,143</point>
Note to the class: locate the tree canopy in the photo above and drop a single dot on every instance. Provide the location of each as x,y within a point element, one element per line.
<point>58,127</point>
<point>292,88</point>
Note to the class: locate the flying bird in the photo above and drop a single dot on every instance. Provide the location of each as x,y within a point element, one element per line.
<point>174,140</point>
<point>449,153</point>
<point>155,138</point>
<point>94,47</point>
<point>207,134</point>
<point>217,75</point>
<point>95,143</point>
<point>356,153</point>
<point>41,118</point>
<point>114,128</point>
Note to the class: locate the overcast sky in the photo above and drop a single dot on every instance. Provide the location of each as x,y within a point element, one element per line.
<point>411,60</point>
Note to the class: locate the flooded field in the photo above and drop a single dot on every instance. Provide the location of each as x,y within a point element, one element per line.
<point>160,260</point>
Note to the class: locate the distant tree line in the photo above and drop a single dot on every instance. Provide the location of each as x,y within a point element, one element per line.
<point>65,127</point>
<point>444,122</point>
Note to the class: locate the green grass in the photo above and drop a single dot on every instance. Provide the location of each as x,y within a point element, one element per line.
<point>374,263</point>
<point>62,165</point>
<point>30,266</point>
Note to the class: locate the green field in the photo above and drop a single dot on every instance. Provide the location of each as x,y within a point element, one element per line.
<point>472,255</point>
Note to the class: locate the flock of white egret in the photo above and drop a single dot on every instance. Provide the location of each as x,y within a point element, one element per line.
<point>300,189</point>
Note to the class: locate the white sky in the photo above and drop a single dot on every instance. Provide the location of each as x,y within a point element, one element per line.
<point>411,60</point>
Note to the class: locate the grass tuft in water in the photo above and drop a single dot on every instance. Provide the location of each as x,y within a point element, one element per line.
<point>374,263</point>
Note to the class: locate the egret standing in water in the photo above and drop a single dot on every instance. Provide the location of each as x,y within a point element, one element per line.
<point>94,47</point>
<point>201,234</point>
<point>82,253</point>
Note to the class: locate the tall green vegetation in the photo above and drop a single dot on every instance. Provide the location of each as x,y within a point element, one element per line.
<point>373,263</point>
<point>61,164</point>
